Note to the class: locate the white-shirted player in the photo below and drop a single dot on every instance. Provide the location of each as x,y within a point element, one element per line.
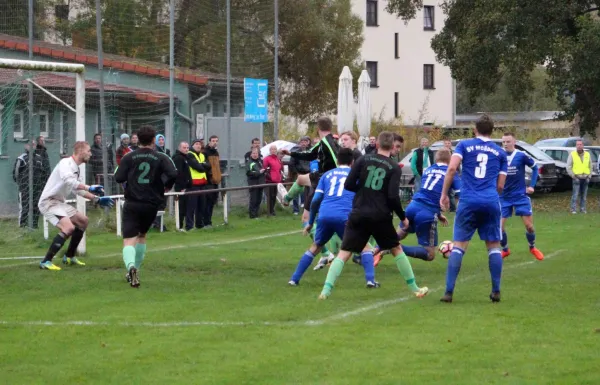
<point>65,179</point>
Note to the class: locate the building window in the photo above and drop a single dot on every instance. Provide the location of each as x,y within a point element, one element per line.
<point>396,112</point>
<point>372,13</point>
<point>428,77</point>
<point>396,48</point>
<point>61,12</point>
<point>44,123</point>
<point>429,18</point>
<point>18,125</point>
<point>372,70</point>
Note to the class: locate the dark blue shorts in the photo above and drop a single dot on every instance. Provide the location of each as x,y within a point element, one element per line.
<point>326,227</point>
<point>481,216</point>
<point>521,207</point>
<point>422,221</point>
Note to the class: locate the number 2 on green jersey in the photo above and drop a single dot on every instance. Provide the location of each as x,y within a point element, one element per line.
<point>145,169</point>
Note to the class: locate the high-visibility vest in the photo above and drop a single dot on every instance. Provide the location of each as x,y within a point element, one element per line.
<point>197,175</point>
<point>581,167</point>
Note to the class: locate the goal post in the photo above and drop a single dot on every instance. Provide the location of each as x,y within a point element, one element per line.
<point>25,70</point>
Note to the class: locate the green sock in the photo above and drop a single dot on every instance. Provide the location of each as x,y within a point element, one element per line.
<point>295,191</point>
<point>334,244</point>
<point>406,270</point>
<point>332,275</point>
<point>372,242</point>
<point>140,251</point>
<point>129,256</point>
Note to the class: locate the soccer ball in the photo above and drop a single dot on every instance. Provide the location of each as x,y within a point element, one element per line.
<point>446,248</point>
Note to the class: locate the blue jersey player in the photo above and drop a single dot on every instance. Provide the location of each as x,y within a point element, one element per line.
<point>484,168</point>
<point>423,212</point>
<point>514,197</point>
<point>333,204</point>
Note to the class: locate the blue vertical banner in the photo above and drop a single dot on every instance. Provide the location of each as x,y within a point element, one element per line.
<point>255,100</point>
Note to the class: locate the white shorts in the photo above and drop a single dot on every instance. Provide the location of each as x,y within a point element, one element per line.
<point>54,210</point>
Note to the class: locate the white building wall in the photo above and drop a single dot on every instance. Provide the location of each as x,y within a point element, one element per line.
<point>404,74</point>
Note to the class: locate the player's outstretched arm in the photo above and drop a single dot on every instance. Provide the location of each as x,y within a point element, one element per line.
<point>534,177</point>
<point>69,178</point>
<point>455,161</point>
<point>315,206</point>
<point>353,178</point>
<point>502,173</point>
<point>500,183</point>
<point>310,154</point>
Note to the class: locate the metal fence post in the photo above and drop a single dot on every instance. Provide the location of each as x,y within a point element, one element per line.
<point>226,208</point>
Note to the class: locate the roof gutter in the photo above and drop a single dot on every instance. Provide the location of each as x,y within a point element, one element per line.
<point>189,120</point>
<point>201,98</point>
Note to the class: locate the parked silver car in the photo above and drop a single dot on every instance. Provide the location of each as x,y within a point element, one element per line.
<point>561,142</point>
<point>548,177</point>
<point>560,155</point>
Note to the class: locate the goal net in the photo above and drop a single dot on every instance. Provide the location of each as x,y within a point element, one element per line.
<point>42,114</point>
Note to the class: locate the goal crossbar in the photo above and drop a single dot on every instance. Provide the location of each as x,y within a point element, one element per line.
<point>41,66</point>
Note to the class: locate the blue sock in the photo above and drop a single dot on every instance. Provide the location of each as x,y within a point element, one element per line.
<point>303,264</point>
<point>416,252</point>
<point>530,239</point>
<point>504,241</point>
<point>454,262</point>
<point>495,262</point>
<point>366,260</point>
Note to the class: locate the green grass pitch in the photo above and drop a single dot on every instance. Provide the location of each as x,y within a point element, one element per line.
<point>214,308</point>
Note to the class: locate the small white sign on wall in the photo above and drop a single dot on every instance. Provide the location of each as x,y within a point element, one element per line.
<point>199,126</point>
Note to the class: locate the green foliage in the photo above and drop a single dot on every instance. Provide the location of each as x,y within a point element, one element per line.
<point>316,37</point>
<point>14,17</point>
<point>540,98</point>
<point>575,71</point>
<point>404,9</point>
<point>129,28</point>
<point>486,42</point>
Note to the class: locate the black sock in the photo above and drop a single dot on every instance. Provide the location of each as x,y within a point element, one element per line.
<point>75,240</point>
<point>57,243</point>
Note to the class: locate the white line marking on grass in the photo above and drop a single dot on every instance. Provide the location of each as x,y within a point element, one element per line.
<point>335,317</point>
<point>168,248</point>
<point>389,302</point>
<point>148,324</point>
<point>17,258</point>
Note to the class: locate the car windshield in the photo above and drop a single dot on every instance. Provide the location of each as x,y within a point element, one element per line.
<point>535,152</point>
<point>550,142</point>
<point>594,153</point>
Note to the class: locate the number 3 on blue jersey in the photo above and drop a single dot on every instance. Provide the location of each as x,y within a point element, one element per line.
<point>480,170</point>
<point>337,183</point>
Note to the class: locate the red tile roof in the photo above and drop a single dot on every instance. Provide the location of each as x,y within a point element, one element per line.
<point>86,56</point>
<point>54,80</point>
